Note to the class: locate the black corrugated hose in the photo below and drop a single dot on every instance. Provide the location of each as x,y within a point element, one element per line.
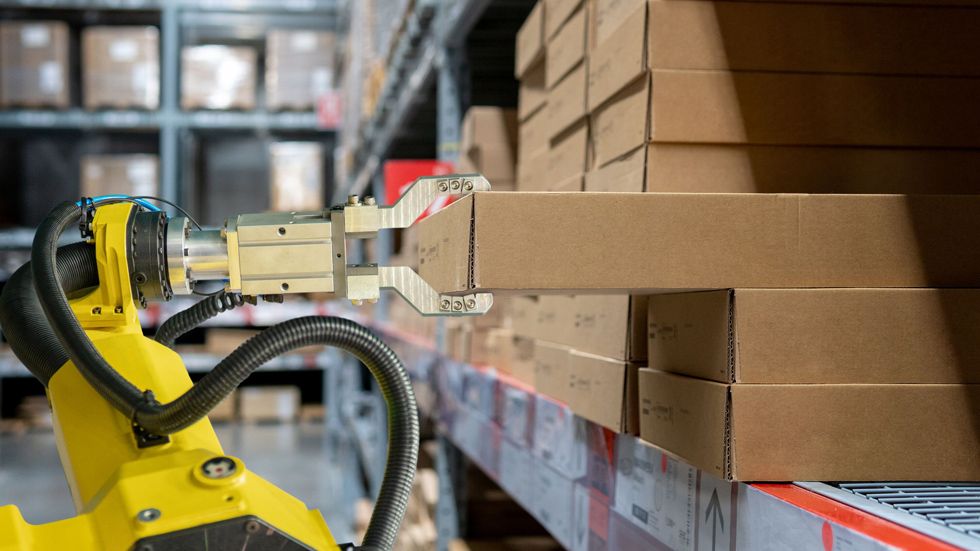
<point>403,424</point>
<point>22,318</point>
<point>202,311</point>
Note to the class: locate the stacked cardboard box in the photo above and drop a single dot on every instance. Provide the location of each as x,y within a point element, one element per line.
<point>269,403</point>
<point>299,68</point>
<point>489,146</point>
<point>34,64</point>
<point>850,335</point>
<point>217,77</point>
<point>297,176</point>
<point>694,96</point>
<point>121,67</point>
<point>119,175</point>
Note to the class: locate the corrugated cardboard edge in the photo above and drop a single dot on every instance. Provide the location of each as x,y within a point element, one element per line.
<point>471,265</point>
<point>729,445</point>
<point>734,368</point>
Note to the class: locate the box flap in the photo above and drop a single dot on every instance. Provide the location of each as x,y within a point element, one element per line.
<point>687,417</point>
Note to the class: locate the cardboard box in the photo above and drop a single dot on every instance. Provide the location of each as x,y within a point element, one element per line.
<point>566,102</point>
<point>573,184</point>
<point>492,347</point>
<point>269,403</point>
<point>613,326</point>
<point>533,136</point>
<point>620,125</point>
<point>600,389</point>
<point>523,316</point>
<point>626,174</point>
<point>571,242</point>
<point>217,77</point>
<point>781,433</point>
<point>522,361</point>
<point>778,37</point>
<point>297,182</point>
<point>707,168</point>
<point>724,107</point>
<point>816,336</point>
<point>568,157</point>
<point>121,67</point>
<point>532,94</point>
<point>299,68</point>
<point>530,41</point>
<point>120,175</point>
<point>567,49</point>
<point>34,64</point>
<point>532,175</point>
<point>556,13</point>
<point>489,145</point>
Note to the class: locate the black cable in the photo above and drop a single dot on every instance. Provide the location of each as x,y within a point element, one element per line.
<point>160,419</point>
<point>188,319</point>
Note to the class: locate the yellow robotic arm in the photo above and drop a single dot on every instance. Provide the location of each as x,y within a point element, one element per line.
<point>144,466</point>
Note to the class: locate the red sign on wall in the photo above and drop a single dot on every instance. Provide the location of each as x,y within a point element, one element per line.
<point>401,174</point>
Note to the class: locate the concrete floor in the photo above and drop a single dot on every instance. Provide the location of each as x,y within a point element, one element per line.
<point>296,457</point>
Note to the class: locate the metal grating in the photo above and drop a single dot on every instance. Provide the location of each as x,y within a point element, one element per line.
<point>953,505</point>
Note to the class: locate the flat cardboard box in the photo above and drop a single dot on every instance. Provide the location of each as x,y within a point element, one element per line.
<point>489,144</point>
<point>530,41</point>
<point>522,360</point>
<point>778,37</point>
<point>783,433</point>
<point>523,316</point>
<point>610,16</point>
<point>566,102</point>
<point>818,336</point>
<point>34,62</point>
<point>217,77</point>
<point>626,174</point>
<point>297,182</point>
<point>532,175</point>
<point>136,175</point>
<point>121,67</point>
<point>533,243</point>
<point>568,156</point>
<point>567,49</point>
<point>573,184</point>
<point>613,326</point>
<point>533,136</point>
<point>708,168</point>
<point>492,347</point>
<point>556,13</point>
<point>813,109</point>
<point>620,125</point>
<point>269,403</point>
<point>532,94</point>
<point>299,68</point>
<point>599,389</point>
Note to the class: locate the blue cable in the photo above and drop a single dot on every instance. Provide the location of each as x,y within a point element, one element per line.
<point>141,202</point>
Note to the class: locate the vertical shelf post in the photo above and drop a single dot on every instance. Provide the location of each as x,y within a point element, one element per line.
<point>169,101</point>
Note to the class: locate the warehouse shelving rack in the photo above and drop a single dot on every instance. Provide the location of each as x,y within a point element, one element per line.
<point>179,21</point>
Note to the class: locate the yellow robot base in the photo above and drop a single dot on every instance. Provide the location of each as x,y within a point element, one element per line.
<point>180,494</point>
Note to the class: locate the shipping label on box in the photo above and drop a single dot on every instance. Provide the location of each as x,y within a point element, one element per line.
<point>656,492</point>
<point>554,502</point>
<point>516,472</point>
<point>560,438</point>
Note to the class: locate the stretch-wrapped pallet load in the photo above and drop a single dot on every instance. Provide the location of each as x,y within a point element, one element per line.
<point>121,67</point>
<point>299,68</point>
<point>297,176</point>
<point>218,77</point>
<point>34,64</point>
<point>135,175</point>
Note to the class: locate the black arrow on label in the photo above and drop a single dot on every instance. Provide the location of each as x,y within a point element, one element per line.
<point>714,506</point>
